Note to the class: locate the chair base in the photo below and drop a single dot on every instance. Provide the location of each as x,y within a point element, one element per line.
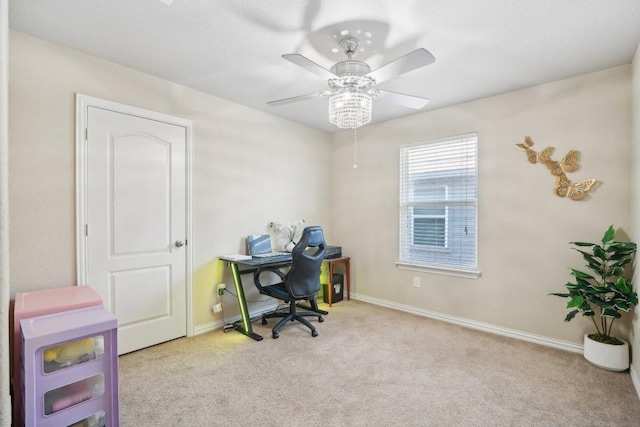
<point>291,316</point>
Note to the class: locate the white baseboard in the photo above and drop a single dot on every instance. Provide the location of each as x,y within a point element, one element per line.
<point>486,327</point>
<point>208,327</point>
<point>217,324</point>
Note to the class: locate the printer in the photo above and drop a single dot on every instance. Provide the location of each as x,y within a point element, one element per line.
<point>333,252</point>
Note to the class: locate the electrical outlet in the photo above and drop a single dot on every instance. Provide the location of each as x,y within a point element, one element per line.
<point>416,282</point>
<point>221,288</point>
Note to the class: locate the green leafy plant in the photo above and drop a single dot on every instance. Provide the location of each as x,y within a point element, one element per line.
<point>606,291</point>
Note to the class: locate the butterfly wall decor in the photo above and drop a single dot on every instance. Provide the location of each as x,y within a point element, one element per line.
<point>564,187</point>
<point>575,191</point>
<point>532,156</point>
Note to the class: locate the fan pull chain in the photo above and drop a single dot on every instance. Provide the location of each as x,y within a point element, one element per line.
<point>355,148</point>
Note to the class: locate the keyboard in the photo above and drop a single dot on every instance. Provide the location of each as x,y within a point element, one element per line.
<point>270,254</point>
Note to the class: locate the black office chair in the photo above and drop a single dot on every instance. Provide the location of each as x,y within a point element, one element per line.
<point>300,283</point>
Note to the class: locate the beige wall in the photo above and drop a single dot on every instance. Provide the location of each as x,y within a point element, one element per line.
<point>635,209</point>
<point>524,229</point>
<point>233,194</point>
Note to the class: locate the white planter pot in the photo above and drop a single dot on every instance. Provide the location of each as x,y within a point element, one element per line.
<point>606,356</point>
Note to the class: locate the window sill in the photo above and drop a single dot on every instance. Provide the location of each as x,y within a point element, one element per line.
<point>447,271</point>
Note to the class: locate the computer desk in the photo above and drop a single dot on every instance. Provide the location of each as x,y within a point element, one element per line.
<point>252,265</point>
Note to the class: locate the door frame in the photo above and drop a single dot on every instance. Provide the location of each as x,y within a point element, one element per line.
<point>83,102</point>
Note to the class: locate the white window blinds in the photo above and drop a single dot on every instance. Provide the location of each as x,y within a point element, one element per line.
<point>438,203</point>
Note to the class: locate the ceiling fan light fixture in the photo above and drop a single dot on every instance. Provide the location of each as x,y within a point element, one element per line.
<point>350,109</point>
<point>352,81</point>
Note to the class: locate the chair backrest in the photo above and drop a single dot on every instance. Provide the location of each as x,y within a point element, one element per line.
<point>303,279</point>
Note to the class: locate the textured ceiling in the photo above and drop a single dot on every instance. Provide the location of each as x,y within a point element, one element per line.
<point>232,49</point>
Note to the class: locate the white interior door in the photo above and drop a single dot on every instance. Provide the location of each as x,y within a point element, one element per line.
<point>135,233</point>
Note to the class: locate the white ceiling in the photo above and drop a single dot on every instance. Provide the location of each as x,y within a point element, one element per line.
<point>232,48</point>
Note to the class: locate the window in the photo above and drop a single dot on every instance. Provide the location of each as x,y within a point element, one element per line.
<point>438,205</point>
<point>429,223</point>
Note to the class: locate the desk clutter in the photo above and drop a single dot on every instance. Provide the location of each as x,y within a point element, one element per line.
<point>332,252</point>
<point>235,257</point>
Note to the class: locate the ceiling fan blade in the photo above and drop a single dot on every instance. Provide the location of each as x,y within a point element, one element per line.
<point>294,99</point>
<point>309,65</point>
<point>411,61</point>
<point>409,101</point>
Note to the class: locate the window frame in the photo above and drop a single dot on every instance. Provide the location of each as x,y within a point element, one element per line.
<point>412,216</point>
<point>408,202</point>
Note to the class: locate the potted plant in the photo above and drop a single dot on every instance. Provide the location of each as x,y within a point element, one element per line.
<point>602,295</point>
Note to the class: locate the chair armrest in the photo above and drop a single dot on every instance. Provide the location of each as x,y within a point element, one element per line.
<point>259,271</point>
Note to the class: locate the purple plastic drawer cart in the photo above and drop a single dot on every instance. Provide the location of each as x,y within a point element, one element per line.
<point>39,303</point>
<point>70,369</point>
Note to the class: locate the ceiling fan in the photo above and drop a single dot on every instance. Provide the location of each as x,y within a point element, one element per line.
<point>352,82</point>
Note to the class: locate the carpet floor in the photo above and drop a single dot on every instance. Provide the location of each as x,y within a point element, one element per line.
<point>369,366</point>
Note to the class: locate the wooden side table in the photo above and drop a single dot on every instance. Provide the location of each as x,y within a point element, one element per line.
<point>347,272</point>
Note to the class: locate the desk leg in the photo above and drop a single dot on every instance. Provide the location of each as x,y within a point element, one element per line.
<point>242,303</point>
<point>330,284</point>
<point>348,273</point>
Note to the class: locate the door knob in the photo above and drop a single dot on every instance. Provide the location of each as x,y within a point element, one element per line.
<point>179,243</point>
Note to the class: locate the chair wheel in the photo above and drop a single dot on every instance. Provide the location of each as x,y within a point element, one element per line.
<point>314,333</point>
<point>320,319</point>
<point>264,321</point>
<point>275,335</point>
